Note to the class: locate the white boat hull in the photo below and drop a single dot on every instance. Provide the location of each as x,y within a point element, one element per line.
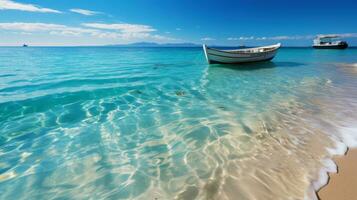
<point>241,55</point>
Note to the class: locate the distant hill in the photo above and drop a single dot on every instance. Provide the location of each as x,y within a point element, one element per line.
<point>153,44</point>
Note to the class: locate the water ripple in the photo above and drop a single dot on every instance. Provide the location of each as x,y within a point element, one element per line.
<point>103,123</point>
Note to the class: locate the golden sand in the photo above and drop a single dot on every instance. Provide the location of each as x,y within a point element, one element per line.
<point>343,185</point>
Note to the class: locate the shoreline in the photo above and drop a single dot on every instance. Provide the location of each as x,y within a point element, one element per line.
<point>342,185</point>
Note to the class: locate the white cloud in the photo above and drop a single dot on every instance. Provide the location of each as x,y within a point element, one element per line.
<point>84,12</point>
<point>127,34</point>
<point>123,27</point>
<point>207,39</point>
<point>130,31</point>
<point>28,26</point>
<point>295,37</point>
<point>281,37</point>
<point>232,38</point>
<point>261,38</point>
<point>246,38</point>
<point>347,35</point>
<point>286,37</point>
<point>11,5</point>
<point>341,35</point>
<point>36,27</point>
<point>240,38</point>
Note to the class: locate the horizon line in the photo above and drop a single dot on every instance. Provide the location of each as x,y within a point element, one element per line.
<point>157,46</point>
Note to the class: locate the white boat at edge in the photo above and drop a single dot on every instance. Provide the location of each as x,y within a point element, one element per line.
<point>256,54</point>
<point>329,42</point>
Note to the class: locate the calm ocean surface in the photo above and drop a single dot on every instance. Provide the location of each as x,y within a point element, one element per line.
<point>159,123</point>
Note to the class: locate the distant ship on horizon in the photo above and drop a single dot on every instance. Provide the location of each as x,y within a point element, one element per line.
<point>25,45</point>
<point>329,42</point>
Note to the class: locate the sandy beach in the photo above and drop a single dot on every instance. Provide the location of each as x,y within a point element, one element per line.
<point>342,185</point>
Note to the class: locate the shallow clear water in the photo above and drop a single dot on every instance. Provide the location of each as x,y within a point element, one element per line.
<point>159,123</point>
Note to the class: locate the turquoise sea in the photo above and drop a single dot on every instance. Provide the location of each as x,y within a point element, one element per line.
<point>160,123</point>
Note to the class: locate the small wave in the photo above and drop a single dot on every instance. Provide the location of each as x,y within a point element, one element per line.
<point>6,75</point>
<point>347,64</point>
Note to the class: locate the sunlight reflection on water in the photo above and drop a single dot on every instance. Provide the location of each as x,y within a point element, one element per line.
<point>104,123</point>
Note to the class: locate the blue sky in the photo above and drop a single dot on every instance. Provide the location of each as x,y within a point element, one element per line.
<point>224,22</point>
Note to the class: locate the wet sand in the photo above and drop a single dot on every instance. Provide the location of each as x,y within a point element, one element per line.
<point>343,185</point>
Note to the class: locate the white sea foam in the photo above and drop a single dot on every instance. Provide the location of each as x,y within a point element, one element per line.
<point>348,136</point>
<point>340,148</point>
<point>329,167</point>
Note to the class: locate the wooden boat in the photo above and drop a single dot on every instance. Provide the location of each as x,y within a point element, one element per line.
<point>257,54</point>
<point>329,42</point>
